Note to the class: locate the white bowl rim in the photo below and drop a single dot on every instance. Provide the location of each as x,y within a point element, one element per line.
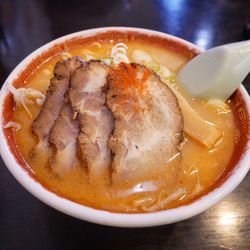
<point>105,217</point>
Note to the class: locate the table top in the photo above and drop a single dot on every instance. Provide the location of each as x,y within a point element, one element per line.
<point>25,222</point>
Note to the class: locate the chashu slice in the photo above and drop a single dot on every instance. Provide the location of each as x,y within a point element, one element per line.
<point>87,97</point>
<point>64,136</point>
<point>148,123</point>
<point>54,101</point>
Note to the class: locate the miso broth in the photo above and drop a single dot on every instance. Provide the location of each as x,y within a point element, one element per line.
<point>193,171</point>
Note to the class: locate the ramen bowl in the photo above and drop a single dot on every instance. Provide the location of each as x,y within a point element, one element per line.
<point>236,170</point>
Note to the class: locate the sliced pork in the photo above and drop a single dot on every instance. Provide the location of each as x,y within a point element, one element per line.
<point>87,97</point>
<point>54,101</point>
<point>148,123</point>
<point>64,135</point>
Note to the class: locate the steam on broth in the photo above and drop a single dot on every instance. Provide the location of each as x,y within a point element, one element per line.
<point>205,150</point>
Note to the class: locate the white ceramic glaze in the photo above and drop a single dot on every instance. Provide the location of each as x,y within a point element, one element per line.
<point>105,217</point>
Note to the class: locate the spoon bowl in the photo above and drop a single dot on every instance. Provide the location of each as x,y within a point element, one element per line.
<point>218,72</point>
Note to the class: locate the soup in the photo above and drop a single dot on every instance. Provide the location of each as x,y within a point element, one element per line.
<point>202,158</point>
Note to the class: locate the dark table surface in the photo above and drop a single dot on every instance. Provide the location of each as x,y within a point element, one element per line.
<point>25,222</point>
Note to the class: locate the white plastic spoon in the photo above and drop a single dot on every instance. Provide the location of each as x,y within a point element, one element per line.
<point>218,72</point>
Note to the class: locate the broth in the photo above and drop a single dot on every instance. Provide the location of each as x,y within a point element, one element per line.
<point>190,174</point>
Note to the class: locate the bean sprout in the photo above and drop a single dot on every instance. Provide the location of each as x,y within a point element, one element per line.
<point>26,96</point>
<point>16,126</point>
